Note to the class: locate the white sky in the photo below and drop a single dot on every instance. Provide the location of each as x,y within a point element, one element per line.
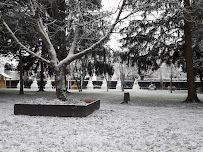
<point>109,4</point>
<point>112,5</point>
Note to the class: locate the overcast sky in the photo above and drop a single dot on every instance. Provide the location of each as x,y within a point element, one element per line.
<point>109,4</point>
<point>112,5</point>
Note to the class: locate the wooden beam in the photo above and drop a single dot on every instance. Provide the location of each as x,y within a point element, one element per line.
<point>10,83</point>
<point>5,82</point>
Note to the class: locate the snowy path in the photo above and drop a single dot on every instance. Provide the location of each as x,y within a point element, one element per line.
<point>139,126</point>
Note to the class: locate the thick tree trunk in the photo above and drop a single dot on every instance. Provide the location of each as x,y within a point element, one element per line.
<point>192,94</point>
<point>21,72</point>
<point>60,85</point>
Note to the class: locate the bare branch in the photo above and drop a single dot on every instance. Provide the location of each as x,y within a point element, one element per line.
<point>71,58</point>
<point>43,34</point>
<point>23,46</point>
<point>74,44</point>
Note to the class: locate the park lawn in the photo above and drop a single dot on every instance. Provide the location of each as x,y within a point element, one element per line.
<point>152,121</point>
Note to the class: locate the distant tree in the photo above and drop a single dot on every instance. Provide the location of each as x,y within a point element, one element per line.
<point>79,69</point>
<point>198,62</point>
<point>99,62</point>
<point>21,72</point>
<point>14,15</point>
<point>9,66</point>
<point>103,63</point>
<point>126,70</point>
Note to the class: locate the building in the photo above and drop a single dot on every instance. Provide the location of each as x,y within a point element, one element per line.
<point>3,77</point>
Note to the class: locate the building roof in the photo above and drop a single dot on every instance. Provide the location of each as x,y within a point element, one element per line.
<point>5,75</point>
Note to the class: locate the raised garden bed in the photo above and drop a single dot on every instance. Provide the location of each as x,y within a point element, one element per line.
<point>57,110</point>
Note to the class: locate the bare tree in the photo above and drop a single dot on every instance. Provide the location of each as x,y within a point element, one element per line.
<point>75,21</point>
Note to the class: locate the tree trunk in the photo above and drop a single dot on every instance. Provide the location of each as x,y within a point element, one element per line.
<point>171,89</point>
<point>21,72</point>
<point>201,82</point>
<point>60,85</point>
<point>81,83</point>
<point>122,78</point>
<point>192,94</point>
<point>107,83</point>
<point>41,84</point>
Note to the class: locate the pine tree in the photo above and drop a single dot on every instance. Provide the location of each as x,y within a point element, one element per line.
<point>165,38</point>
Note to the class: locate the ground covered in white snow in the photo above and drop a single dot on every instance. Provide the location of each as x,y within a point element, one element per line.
<point>155,121</point>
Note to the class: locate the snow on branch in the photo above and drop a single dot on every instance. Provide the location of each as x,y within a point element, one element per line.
<point>23,46</point>
<point>74,44</point>
<point>73,57</point>
<point>42,32</point>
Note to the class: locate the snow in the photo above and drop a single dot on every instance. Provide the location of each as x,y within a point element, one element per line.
<point>46,101</point>
<point>152,121</point>
<point>5,75</point>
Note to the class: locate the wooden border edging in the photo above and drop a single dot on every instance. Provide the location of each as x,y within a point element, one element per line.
<point>56,110</point>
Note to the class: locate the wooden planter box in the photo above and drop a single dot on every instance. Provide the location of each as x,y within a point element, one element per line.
<point>56,110</point>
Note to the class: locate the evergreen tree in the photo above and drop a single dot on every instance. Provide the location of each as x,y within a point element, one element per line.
<point>164,38</point>
<point>197,39</point>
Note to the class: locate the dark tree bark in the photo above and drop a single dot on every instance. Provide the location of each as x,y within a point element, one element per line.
<point>201,82</point>
<point>58,12</point>
<point>60,84</point>
<point>41,84</point>
<point>192,94</point>
<point>21,72</point>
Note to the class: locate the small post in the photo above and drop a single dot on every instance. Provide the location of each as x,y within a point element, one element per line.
<point>126,97</point>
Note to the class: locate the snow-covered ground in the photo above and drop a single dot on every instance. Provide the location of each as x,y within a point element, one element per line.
<point>153,121</point>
